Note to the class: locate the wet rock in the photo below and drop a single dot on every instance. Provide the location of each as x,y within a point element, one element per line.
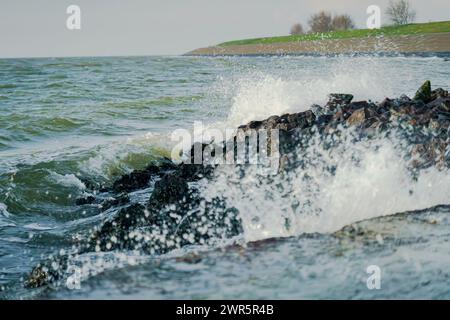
<point>338,99</point>
<point>357,105</point>
<point>135,180</point>
<point>255,124</point>
<point>323,120</point>
<point>190,258</point>
<point>443,103</point>
<point>318,110</point>
<point>424,92</point>
<point>118,200</point>
<point>170,189</point>
<point>439,93</point>
<point>140,179</point>
<point>357,118</point>
<point>385,104</point>
<point>46,273</point>
<point>88,199</point>
<point>405,98</point>
<point>114,233</point>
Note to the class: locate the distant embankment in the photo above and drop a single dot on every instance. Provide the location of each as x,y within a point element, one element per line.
<point>425,37</point>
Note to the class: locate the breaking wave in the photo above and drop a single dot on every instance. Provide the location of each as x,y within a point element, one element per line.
<point>333,187</point>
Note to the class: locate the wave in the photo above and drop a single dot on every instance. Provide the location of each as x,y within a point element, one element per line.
<point>333,188</point>
<point>260,95</point>
<point>67,180</point>
<point>4,210</point>
<point>8,86</point>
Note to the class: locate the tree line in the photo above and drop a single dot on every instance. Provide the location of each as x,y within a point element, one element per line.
<point>399,12</point>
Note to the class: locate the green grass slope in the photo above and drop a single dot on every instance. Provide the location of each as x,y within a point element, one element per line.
<point>390,31</point>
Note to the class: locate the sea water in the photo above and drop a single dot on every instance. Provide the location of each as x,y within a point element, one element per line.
<point>64,121</point>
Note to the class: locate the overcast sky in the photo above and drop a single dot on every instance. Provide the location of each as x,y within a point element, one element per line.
<point>32,28</point>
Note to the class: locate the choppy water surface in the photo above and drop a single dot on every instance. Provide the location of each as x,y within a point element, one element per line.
<point>65,120</point>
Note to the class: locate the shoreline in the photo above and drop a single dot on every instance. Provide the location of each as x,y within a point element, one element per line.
<point>423,43</point>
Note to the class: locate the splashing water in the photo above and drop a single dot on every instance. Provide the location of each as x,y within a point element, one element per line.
<point>78,131</point>
<point>333,188</point>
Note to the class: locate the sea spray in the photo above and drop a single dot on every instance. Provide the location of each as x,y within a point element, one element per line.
<point>333,187</point>
<point>118,104</point>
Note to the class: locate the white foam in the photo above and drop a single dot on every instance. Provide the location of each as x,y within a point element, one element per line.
<point>67,180</point>
<point>371,179</point>
<point>38,227</point>
<point>4,210</point>
<point>308,80</point>
<point>126,154</point>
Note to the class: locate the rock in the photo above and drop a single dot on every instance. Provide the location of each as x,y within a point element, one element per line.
<point>255,124</point>
<point>139,179</point>
<point>441,102</point>
<point>324,120</point>
<point>318,110</point>
<point>284,122</point>
<point>119,200</point>
<point>88,199</point>
<point>37,278</point>
<point>385,104</point>
<point>424,92</point>
<point>130,217</point>
<point>357,117</point>
<point>338,99</point>
<point>45,273</point>
<point>135,180</point>
<point>190,258</point>
<point>114,233</point>
<point>357,105</point>
<point>405,98</point>
<point>439,93</point>
<point>170,189</point>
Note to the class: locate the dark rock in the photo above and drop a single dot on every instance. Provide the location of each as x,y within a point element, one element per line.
<point>338,99</point>
<point>135,180</point>
<point>115,233</point>
<point>357,105</point>
<point>318,110</point>
<point>119,200</point>
<point>195,172</point>
<point>170,189</point>
<point>324,120</point>
<point>139,179</point>
<point>191,258</point>
<point>424,92</point>
<point>443,103</point>
<point>45,273</point>
<point>405,98</point>
<point>254,125</point>
<point>88,199</point>
<point>439,93</point>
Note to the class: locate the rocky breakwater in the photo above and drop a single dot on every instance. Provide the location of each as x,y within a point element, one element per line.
<point>176,215</point>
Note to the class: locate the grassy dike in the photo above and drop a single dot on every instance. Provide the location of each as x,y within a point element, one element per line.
<point>418,37</point>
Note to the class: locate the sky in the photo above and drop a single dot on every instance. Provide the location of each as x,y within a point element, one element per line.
<point>37,28</point>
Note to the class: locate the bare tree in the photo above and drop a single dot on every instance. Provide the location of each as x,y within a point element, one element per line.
<point>400,12</point>
<point>297,29</point>
<point>320,22</point>
<point>342,22</point>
